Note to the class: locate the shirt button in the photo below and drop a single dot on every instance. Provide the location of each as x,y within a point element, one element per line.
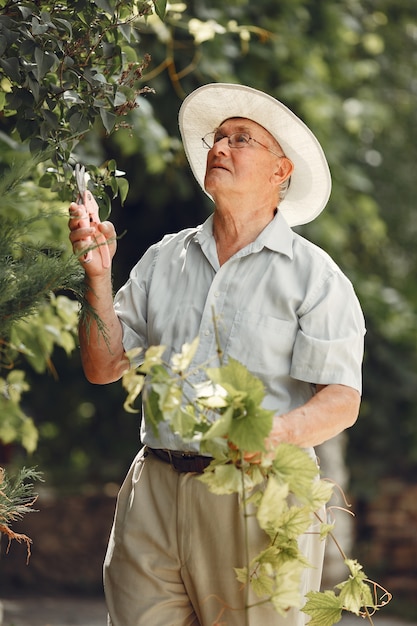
<point>217,293</point>
<point>206,332</point>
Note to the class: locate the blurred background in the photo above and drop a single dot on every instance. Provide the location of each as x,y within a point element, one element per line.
<point>348,68</point>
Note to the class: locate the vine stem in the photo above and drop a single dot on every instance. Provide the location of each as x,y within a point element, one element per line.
<point>247,557</point>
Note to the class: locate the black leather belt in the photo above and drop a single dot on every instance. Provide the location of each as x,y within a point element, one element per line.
<point>182,461</point>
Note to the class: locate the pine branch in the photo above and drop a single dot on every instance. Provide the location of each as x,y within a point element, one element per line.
<point>17,498</point>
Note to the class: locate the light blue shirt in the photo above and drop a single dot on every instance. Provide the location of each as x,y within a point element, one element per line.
<point>283,309</point>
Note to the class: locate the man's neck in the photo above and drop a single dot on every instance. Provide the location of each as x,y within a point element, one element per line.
<point>235,229</point>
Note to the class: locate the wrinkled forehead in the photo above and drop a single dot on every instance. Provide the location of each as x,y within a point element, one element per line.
<point>242,123</point>
<point>245,124</point>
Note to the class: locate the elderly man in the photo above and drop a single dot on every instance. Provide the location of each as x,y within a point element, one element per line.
<point>285,311</point>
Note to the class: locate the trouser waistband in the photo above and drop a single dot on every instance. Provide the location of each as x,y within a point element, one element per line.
<point>182,461</point>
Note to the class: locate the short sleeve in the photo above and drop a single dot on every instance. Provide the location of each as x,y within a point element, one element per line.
<point>329,345</point>
<point>130,302</point>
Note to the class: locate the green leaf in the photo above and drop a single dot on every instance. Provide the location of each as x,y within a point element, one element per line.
<point>15,426</point>
<point>324,608</point>
<point>320,493</point>
<point>251,424</point>
<point>11,68</point>
<point>38,28</point>
<point>262,585</point>
<point>242,574</point>
<point>325,529</point>
<point>238,377</point>
<point>105,207</point>
<point>295,522</point>
<point>29,435</point>
<point>123,187</point>
<point>133,383</point>
<point>160,8</point>
<point>66,24</point>
<point>153,413</point>
<point>183,422</point>
<point>355,593</point>
<point>222,479</point>
<point>272,505</point>
<point>249,431</point>
<point>181,361</point>
<point>293,465</point>
<point>221,427</point>
<point>216,400</point>
<point>170,396</point>
<point>44,62</point>
<point>153,357</point>
<point>108,118</point>
<point>78,122</point>
<point>105,5</point>
<point>3,44</point>
<point>287,587</point>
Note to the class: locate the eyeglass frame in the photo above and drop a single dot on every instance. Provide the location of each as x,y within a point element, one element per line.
<point>246,142</point>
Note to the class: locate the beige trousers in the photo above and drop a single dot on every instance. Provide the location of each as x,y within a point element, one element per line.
<point>172,551</point>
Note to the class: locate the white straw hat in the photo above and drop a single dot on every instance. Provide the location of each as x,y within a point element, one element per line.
<point>209,106</point>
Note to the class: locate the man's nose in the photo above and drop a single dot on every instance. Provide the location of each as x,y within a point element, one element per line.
<point>221,145</point>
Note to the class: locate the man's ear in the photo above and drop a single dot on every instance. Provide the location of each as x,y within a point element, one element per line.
<point>283,170</point>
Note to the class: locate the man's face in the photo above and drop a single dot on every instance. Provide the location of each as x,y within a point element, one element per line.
<point>247,170</point>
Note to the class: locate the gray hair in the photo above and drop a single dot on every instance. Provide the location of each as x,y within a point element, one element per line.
<point>283,188</point>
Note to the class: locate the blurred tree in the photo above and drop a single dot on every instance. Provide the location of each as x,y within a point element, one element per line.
<point>348,69</point>
<point>56,79</point>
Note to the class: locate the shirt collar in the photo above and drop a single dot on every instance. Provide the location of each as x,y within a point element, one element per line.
<point>276,236</point>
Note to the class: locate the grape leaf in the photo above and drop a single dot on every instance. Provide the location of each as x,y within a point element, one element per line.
<point>223,479</point>
<point>324,608</point>
<point>133,383</point>
<point>181,361</point>
<point>239,378</point>
<point>153,356</point>
<point>293,465</point>
<point>295,521</point>
<point>355,593</point>
<point>183,422</point>
<point>272,505</point>
<point>249,431</point>
<point>287,587</point>
<point>221,426</point>
<point>318,495</point>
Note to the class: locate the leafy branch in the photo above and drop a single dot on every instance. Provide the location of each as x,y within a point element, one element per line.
<point>16,500</point>
<point>282,488</point>
<point>59,75</point>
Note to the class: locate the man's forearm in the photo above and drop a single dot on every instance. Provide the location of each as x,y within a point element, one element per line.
<point>333,409</point>
<point>101,345</point>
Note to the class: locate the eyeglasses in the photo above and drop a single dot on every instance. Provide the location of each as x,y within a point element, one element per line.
<point>235,140</point>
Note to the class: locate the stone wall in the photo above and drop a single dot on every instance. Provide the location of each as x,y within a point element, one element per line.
<point>387,538</point>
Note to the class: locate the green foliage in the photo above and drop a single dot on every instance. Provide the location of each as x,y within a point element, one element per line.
<point>15,426</point>
<point>357,594</point>
<point>58,75</point>
<point>33,321</point>
<point>17,495</point>
<point>17,498</point>
<point>283,487</point>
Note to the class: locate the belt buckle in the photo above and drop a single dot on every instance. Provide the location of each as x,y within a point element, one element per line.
<point>179,462</point>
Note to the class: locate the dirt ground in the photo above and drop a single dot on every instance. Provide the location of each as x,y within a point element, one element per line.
<point>43,611</point>
<point>73,611</point>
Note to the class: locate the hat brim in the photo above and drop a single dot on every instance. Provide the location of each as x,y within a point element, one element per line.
<point>210,105</point>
